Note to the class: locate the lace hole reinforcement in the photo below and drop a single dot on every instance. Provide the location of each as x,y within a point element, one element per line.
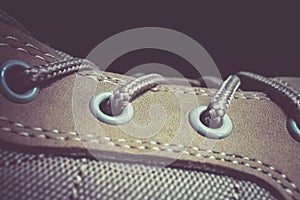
<point>293,128</point>
<point>214,133</point>
<point>8,91</point>
<point>123,118</point>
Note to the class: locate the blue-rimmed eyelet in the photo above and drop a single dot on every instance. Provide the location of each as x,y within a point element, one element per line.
<point>214,133</point>
<point>293,128</point>
<point>7,91</point>
<point>123,118</point>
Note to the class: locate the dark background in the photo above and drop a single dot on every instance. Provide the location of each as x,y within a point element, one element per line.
<point>262,38</point>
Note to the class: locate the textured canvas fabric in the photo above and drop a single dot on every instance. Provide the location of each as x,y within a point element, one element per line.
<point>37,176</point>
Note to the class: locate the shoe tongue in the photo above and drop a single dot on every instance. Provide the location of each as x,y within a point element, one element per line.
<point>4,17</point>
<point>16,43</point>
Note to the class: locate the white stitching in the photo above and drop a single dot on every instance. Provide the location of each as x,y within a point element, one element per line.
<point>171,150</point>
<point>73,133</point>
<point>32,46</point>
<point>197,149</point>
<point>49,55</point>
<point>12,38</point>
<point>9,37</point>
<point>203,93</point>
<point>40,57</point>
<point>23,50</point>
<point>117,80</point>
<point>96,75</point>
<point>39,129</point>
<point>196,91</point>
<point>4,45</point>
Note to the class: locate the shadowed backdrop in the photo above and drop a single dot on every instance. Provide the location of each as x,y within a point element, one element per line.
<point>262,38</point>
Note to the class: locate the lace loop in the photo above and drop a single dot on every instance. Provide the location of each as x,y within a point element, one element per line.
<point>282,94</point>
<point>213,115</point>
<point>223,129</point>
<point>95,107</point>
<point>126,93</point>
<point>42,73</point>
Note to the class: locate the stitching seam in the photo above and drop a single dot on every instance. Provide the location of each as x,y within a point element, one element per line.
<point>78,180</point>
<point>116,80</point>
<point>113,80</point>
<point>9,37</point>
<point>196,91</point>
<point>20,49</point>
<point>167,147</point>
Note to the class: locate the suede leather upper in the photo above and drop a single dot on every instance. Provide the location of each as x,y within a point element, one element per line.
<point>59,120</point>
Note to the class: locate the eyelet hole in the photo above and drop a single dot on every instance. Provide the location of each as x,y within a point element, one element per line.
<point>13,86</point>
<point>98,107</point>
<point>106,109</point>
<point>207,123</point>
<point>294,129</point>
<point>15,81</point>
<point>214,133</point>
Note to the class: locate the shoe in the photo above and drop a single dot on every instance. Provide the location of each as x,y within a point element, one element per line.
<point>71,131</point>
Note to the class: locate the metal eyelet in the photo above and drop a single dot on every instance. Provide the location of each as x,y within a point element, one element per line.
<point>123,118</point>
<point>213,133</point>
<point>293,128</point>
<point>7,91</point>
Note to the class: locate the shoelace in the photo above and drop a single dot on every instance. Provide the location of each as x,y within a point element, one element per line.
<point>282,94</point>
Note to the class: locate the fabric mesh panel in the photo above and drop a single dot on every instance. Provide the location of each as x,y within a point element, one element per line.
<point>31,176</point>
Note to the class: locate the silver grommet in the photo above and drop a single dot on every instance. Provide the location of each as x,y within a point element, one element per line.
<point>125,116</point>
<point>7,91</point>
<point>293,128</point>
<point>214,133</point>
